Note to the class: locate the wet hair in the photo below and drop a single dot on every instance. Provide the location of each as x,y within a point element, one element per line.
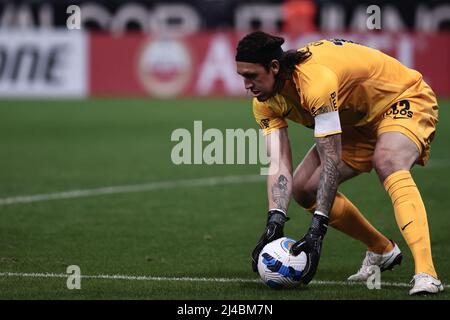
<point>260,47</point>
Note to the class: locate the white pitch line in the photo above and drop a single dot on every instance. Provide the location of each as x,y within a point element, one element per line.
<point>201,182</point>
<point>151,186</point>
<point>188,279</point>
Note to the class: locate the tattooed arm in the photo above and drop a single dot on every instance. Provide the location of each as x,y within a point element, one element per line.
<point>329,149</point>
<point>279,180</point>
<point>279,186</point>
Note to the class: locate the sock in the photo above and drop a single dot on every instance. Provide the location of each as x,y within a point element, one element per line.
<point>345,217</point>
<point>411,218</point>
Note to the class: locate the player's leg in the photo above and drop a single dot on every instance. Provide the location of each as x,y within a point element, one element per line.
<point>344,216</point>
<point>404,137</point>
<point>394,156</point>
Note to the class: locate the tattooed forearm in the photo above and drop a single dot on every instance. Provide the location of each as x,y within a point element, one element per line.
<point>329,149</point>
<point>280,194</point>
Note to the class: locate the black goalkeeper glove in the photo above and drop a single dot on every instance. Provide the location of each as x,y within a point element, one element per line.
<point>311,244</point>
<point>273,231</point>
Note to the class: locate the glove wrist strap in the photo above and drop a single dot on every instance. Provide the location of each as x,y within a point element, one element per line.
<point>319,223</point>
<point>274,210</point>
<point>320,213</point>
<point>277,216</point>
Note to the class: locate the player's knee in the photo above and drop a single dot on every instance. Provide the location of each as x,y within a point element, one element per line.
<point>387,162</point>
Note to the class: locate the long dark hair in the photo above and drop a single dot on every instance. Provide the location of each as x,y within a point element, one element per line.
<point>260,47</point>
<point>289,59</point>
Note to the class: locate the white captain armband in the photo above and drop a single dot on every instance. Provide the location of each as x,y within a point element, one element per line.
<point>327,124</point>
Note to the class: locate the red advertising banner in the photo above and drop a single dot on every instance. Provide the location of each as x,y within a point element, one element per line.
<point>203,64</point>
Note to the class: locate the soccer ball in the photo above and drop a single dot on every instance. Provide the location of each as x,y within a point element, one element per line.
<point>277,267</point>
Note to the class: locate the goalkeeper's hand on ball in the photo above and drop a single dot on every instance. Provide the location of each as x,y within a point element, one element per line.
<point>311,244</point>
<point>274,230</point>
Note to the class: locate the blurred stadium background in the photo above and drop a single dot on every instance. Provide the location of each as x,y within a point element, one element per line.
<point>86,117</point>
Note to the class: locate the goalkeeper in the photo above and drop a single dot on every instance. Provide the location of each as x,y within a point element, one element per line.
<point>367,111</point>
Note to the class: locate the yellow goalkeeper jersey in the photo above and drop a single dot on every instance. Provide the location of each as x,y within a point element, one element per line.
<point>358,81</point>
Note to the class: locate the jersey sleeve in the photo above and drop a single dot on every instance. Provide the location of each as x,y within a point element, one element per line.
<point>267,118</point>
<point>321,100</point>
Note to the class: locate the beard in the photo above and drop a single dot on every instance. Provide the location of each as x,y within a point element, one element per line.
<point>277,87</point>
<point>263,97</point>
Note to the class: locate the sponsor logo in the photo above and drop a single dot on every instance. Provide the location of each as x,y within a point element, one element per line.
<point>42,64</point>
<point>404,227</point>
<point>400,110</point>
<point>164,67</point>
<point>287,244</point>
<point>264,123</point>
<point>333,100</point>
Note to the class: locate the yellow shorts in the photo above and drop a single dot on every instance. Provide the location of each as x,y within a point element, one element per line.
<point>414,114</point>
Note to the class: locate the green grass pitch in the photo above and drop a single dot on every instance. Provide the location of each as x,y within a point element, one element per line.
<point>174,232</point>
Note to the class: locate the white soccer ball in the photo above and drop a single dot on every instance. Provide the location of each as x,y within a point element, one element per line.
<point>277,267</point>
